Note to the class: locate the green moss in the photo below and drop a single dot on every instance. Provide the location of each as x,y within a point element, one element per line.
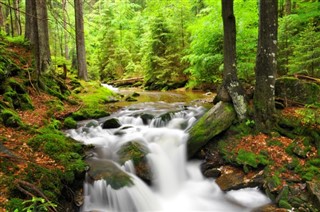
<point>64,150</point>
<point>89,113</point>
<point>15,204</point>
<point>285,204</point>
<point>250,159</point>
<point>10,118</point>
<point>69,123</point>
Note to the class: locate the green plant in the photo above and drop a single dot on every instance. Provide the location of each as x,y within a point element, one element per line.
<point>70,123</point>
<point>37,204</point>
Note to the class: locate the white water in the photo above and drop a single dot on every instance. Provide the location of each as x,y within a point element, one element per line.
<point>177,185</point>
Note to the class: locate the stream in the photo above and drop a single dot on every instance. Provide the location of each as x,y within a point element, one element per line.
<point>159,123</point>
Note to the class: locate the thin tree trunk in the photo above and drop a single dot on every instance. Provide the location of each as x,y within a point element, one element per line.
<point>231,88</point>
<point>11,19</point>
<point>1,18</point>
<point>80,42</point>
<point>17,20</point>
<point>264,95</point>
<point>66,48</point>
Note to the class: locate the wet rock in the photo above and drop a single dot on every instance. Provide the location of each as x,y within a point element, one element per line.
<point>313,188</point>
<point>111,124</point>
<point>146,118</point>
<point>212,163</point>
<point>110,172</point>
<point>269,208</point>
<point>216,120</point>
<point>130,99</point>
<point>234,179</point>
<point>137,153</point>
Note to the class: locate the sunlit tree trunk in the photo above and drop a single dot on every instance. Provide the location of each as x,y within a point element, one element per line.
<point>11,19</point>
<point>231,89</point>
<point>2,18</point>
<point>80,44</point>
<point>264,95</point>
<point>17,17</point>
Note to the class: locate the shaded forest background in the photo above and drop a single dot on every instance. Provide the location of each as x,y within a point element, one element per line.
<point>171,43</point>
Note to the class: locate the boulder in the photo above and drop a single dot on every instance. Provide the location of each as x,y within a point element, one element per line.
<point>293,90</point>
<point>234,179</point>
<point>110,172</point>
<point>111,123</point>
<point>136,152</point>
<point>216,120</point>
<point>314,191</point>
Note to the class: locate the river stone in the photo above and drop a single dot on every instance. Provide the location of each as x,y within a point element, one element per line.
<point>234,179</point>
<point>314,190</point>
<point>216,120</point>
<point>136,152</point>
<point>269,208</point>
<point>146,118</point>
<point>110,172</point>
<point>111,124</point>
<point>297,90</point>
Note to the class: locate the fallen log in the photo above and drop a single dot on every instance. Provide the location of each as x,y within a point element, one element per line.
<point>216,120</point>
<point>126,82</point>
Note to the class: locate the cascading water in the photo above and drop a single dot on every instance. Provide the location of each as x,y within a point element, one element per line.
<point>177,185</point>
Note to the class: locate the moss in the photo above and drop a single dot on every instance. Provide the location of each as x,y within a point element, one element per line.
<point>15,204</point>
<point>89,113</point>
<point>250,159</point>
<point>285,204</point>
<point>64,150</point>
<point>69,123</point>
<point>10,118</point>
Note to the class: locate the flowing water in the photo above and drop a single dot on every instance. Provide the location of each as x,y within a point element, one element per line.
<point>177,184</point>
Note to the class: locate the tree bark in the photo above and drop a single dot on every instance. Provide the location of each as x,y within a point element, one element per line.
<point>264,95</point>
<point>80,42</point>
<point>66,48</point>
<point>231,89</point>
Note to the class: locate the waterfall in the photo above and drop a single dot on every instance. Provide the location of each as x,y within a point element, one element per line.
<point>177,184</point>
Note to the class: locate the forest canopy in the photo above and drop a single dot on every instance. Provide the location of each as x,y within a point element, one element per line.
<point>170,43</point>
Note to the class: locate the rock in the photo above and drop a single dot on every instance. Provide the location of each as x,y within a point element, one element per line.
<point>111,123</point>
<point>136,152</point>
<point>269,208</point>
<point>212,163</point>
<point>234,179</point>
<point>212,172</point>
<point>295,90</point>
<point>146,118</point>
<point>313,188</point>
<point>216,120</point>
<point>130,99</point>
<point>110,172</point>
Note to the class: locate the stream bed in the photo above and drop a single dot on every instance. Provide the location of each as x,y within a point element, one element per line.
<point>159,126</point>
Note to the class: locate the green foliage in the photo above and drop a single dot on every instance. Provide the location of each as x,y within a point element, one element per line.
<point>37,204</point>
<point>18,40</point>
<point>310,114</point>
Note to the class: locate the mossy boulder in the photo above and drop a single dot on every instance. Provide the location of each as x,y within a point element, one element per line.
<point>89,113</point>
<point>10,118</point>
<point>314,191</point>
<point>296,90</point>
<point>69,123</point>
<point>111,123</point>
<point>136,152</point>
<point>16,95</point>
<point>110,172</point>
<point>216,120</point>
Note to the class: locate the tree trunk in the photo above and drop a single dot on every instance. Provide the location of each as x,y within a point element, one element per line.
<point>11,19</point>
<point>17,19</point>
<point>30,21</point>
<point>264,95</point>
<point>2,18</point>
<point>231,89</point>
<point>37,33</point>
<point>80,43</point>
<point>43,35</point>
<point>288,7</point>
<point>66,48</point>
